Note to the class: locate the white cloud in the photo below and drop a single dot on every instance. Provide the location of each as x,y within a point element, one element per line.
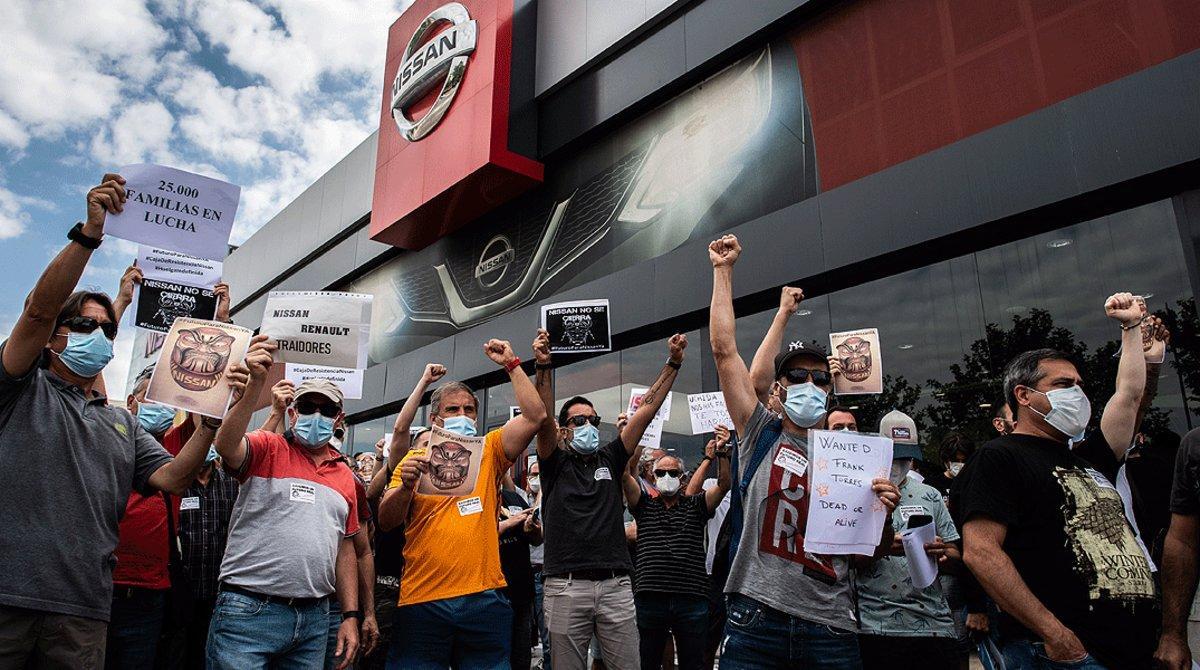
<point>13,216</point>
<point>12,133</point>
<point>141,132</point>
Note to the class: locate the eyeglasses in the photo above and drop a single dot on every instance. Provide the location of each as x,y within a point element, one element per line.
<point>578,420</point>
<point>86,324</point>
<point>666,473</point>
<point>801,375</point>
<point>328,410</point>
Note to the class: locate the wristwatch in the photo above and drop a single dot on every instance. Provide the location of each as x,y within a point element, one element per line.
<point>352,614</point>
<point>673,364</point>
<point>211,423</point>
<point>75,234</point>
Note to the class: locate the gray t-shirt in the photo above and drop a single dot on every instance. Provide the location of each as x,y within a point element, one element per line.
<point>771,565</point>
<point>67,465</point>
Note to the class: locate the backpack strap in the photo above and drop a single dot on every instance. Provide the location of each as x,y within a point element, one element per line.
<point>762,446</point>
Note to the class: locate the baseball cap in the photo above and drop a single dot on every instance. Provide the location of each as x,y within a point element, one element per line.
<point>796,349</point>
<point>321,387</point>
<point>903,431</point>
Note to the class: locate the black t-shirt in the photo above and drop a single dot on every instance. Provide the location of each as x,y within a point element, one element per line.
<point>1185,491</point>
<point>582,505</point>
<point>670,546</point>
<point>1069,540</point>
<point>514,553</point>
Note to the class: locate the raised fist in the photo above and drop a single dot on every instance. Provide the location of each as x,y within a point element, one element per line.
<point>724,252</point>
<point>433,372</point>
<point>1124,308</point>
<point>790,298</point>
<point>676,345</point>
<point>499,351</point>
<point>541,347</point>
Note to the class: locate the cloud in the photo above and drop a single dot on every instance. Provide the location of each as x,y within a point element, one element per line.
<point>141,132</point>
<point>13,216</point>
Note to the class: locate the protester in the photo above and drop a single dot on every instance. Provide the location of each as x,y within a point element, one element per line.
<point>787,607</point>
<point>671,583</point>
<point>365,572</point>
<point>903,626</point>
<point>364,466</point>
<point>1002,418</point>
<point>537,559</point>
<point>291,535</point>
<point>1043,527</point>
<point>586,579</point>
<point>451,609</point>
<point>1179,558</point>
<point>841,418</point>
<point>717,567</point>
<point>61,523</point>
<point>519,531</point>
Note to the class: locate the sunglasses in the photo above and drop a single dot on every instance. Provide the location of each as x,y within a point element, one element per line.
<point>801,375</point>
<point>328,410</point>
<point>86,324</point>
<point>666,473</point>
<point>578,420</point>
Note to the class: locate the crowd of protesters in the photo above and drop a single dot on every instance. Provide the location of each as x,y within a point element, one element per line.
<point>161,539</point>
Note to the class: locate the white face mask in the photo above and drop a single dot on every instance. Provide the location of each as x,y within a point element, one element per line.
<point>900,471</point>
<point>667,485</point>
<point>535,483</point>
<point>955,468</point>
<point>1070,411</point>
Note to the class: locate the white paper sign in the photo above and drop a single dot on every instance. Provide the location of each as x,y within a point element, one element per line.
<point>845,516</point>
<point>708,411</point>
<point>652,438</point>
<point>319,327</point>
<point>921,566</point>
<point>349,380</point>
<point>172,266</point>
<point>177,210</point>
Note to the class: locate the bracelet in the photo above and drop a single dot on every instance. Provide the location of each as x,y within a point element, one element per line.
<point>210,423</point>
<point>1134,325</point>
<point>76,235</point>
<point>352,614</point>
<point>543,366</point>
<point>673,364</point>
<point>513,364</point>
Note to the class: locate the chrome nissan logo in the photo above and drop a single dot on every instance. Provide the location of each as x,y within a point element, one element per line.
<point>493,264</point>
<point>442,59</point>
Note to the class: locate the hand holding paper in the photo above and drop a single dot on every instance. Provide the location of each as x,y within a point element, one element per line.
<point>922,567</point>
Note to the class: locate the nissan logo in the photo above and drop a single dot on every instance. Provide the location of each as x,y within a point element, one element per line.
<point>493,264</point>
<point>441,60</point>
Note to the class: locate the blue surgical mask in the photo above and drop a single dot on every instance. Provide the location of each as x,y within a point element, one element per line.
<point>463,425</point>
<point>313,430</point>
<point>1070,411</point>
<point>586,439</point>
<point>805,404</point>
<point>86,354</point>
<point>155,418</point>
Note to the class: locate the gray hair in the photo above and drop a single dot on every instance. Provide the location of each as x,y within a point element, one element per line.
<point>435,398</point>
<point>142,380</point>
<point>674,458</point>
<point>1025,369</point>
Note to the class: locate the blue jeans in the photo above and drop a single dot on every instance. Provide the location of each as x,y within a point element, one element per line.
<point>660,615</point>
<point>539,614</point>
<point>248,633</point>
<point>133,631</point>
<point>472,632</point>
<point>758,637</point>
<point>1031,655</point>
<point>335,623</point>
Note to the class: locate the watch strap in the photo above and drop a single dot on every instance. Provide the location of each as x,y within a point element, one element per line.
<point>75,234</point>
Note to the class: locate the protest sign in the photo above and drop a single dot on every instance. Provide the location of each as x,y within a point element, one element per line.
<point>513,411</point>
<point>190,374</point>
<point>652,438</point>
<point>349,380</point>
<point>172,266</point>
<point>319,327</point>
<point>844,515</point>
<point>862,367</point>
<point>159,303</point>
<point>172,209</point>
<point>146,345</point>
<point>454,462</point>
<point>577,326</point>
<point>707,411</point>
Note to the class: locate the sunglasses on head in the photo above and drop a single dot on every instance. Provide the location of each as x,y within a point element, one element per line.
<point>578,420</point>
<point>328,409</point>
<point>801,375</point>
<point>666,473</point>
<point>86,324</point>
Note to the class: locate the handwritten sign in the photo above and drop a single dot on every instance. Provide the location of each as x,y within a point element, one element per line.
<point>319,327</point>
<point>707,411</point>
<point>845,515</point>
<point>172,209</point>
<point>652,438</point>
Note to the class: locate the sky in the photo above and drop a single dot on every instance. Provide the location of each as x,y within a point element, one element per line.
<point>266,94</point>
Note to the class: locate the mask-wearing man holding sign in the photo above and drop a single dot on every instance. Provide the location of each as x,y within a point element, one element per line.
<point>61,523</point>
<point>586,584</point>
<point>451,609</point>
<point>291,536</point>
<point>787,607</point>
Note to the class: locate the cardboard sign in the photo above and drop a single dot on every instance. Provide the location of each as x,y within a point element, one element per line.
<point>844,514</point>
<point>349,380</point>
<point>177,210</point>
<point>454,462</point>
<point>707,411</point>
<point>862,365</point>
<point>319,327</point>
<point>159,303</point>
<point>190,374</point>
<point>577,326</point>
<point>172,266</point>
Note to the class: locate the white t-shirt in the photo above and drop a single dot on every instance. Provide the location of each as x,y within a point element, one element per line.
<point>714,525</point>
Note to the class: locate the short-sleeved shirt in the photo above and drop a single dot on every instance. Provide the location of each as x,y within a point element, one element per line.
<point>1185,490</point>
<point>289,519</point>
<point>1068,538</point>
<point>670,546</point>
<point>771,565</point>
<point>514,552</point>
<point>451,542</point>
<point>888,602</point>
<point>143,553</point>
<point>67,465</point>
<point>583,510</point>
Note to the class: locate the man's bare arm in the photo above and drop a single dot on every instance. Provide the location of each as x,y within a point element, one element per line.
<point>401,435</point>
<point>1178,588</point>
<point>736,385</point>
<point>547,436</point>
<point>230,441</point>
<point>1120,414</point>
<point>762,368</point>
<point>655,396</point>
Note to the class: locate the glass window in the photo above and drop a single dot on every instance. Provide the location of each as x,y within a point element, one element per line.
<point>364,435</point>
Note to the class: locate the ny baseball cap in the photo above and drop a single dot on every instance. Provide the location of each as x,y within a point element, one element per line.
<point>903,431</point>
<point>321,387</point>
<point>797,349</point>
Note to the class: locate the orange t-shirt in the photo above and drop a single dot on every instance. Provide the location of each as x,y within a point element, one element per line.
<point>452,544</point>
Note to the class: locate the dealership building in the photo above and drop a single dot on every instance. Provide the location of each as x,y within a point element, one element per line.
<point>971,178</point>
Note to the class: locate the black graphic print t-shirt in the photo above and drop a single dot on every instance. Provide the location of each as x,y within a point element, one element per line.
<point>1068,538</point>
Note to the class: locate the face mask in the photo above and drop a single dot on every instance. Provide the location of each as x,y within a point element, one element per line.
<point>668,486</point>
<point>87,353</point>
<point>155,418</point>
<point>586,439</point>
<point>1069,412</point>
<point>463,425</point>
<point>899,471</point>
<point>805,404</point>
<point>955,468</point>
<point>535,484</point>
<point>211,456</point>
<point>313,430</point>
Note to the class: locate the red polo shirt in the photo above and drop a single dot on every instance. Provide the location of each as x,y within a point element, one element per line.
<point>142,552</point>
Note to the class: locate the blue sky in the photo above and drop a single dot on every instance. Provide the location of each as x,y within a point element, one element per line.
<point>265,94</point>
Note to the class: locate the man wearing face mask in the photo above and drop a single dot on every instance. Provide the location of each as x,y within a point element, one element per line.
<point>787,607</point>
<point>61,524</point>
<point>1043,526</point>
<point>587,583</point>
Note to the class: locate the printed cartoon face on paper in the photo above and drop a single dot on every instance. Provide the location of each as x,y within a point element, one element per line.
<point>449,465</point>
<point>577,329</point>
<point>855,354</point>
<point>199,357</point>
<point>172,305</point>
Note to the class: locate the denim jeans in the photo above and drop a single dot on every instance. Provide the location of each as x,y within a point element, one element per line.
<point>335,622</point>
<point>249,633</point>
<point>660,615</point>
<point>133,630</point>
<point>539,614</point>
<point>472,632</point>
<point>758,637</point>
<point>1031,655</point>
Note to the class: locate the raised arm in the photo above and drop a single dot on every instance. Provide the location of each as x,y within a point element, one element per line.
<point>655,395</point>
<point>1160,337</point>
<point>1119,419</point>
<point>282,395</point>
<point>520,429</point>
<point>547,436</point>
<point>380,473</point>
<point>762,368</point>
<point>37,321</point>
<point>696,483</point>
<point>401,435</point>
<point>131,278</point>
<point>629,484</point>
<point>230,441</point>
<point>740,398</point>
<point>713,496</point>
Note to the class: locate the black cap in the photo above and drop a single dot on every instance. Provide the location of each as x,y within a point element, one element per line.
<point>799,348</point>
